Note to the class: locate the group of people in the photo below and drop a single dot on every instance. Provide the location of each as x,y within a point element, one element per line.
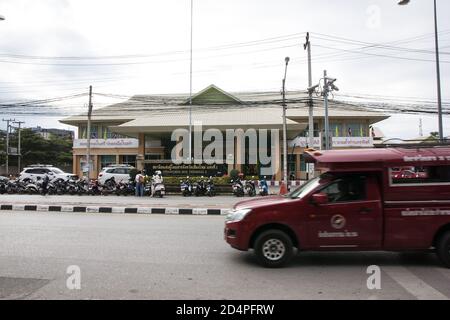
<point>140,182</point>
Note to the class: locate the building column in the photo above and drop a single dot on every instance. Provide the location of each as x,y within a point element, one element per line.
<point>75,165</point>
<point>237,155</point>
<point>95,163</point>
<point>297,167</point>
<point>140,157</point>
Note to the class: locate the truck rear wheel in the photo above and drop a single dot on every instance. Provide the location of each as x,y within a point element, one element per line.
<point>273,248</point>
<point>443,249</point>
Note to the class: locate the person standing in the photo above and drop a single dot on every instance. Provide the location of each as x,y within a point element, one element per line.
<point>45,181</point>
<point>139,180</point>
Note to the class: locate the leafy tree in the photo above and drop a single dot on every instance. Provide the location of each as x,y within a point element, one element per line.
<point>35,149</point>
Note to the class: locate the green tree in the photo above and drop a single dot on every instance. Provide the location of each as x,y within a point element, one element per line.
<point>35,149</point>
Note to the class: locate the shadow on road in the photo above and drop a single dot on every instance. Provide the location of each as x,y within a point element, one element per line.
<point>335,259</point>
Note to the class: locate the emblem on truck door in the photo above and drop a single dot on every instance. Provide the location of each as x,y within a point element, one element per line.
<point>338,221</point>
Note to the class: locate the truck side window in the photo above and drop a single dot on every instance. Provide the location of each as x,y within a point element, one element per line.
<point>421,175</point>
<point>346,189</point>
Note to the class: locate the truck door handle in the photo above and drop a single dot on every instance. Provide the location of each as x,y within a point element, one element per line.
<point>365,210</point>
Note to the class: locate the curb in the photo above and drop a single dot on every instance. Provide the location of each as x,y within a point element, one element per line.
<point>125,210</point>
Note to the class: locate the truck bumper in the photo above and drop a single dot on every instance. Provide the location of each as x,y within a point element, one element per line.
<point>236,235</point>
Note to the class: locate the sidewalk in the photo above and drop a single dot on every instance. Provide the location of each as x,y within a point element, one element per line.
<point>218,205</point>
<point>171,204</point>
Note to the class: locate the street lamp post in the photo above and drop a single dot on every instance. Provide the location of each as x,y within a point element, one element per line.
<point>438,69</point>
<point>190,86</point>
<point>285,175</point>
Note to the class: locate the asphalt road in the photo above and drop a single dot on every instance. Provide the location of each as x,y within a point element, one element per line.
<point>185,257</point>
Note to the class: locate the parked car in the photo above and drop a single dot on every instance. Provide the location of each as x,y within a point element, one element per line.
<point>39,171</point>
<point>120,172</point>
<point>356,204</point>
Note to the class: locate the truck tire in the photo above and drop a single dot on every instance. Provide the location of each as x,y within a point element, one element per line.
<point>443,249</point>
<point>273,248</point>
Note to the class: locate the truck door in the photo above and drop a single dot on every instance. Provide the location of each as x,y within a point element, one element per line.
<point>352,217</point>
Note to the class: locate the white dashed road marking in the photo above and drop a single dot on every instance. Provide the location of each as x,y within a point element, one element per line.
<point>413,284</point>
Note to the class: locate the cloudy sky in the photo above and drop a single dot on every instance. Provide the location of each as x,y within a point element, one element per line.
<point>57,48</point>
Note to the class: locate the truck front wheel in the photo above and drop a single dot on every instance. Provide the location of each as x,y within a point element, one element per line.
<point>443,249</point>
<point>273,248</point>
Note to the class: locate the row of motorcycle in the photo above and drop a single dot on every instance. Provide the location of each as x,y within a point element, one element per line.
<point>248,187</point>
<point>203,187</point>
<point>75,187</point>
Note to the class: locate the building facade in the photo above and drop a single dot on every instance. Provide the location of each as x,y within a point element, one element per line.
<point>140,132</point>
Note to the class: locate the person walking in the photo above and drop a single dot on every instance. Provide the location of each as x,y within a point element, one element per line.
<point>139,180</point>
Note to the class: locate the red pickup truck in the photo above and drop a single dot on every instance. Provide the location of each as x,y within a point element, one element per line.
<point>355,204</point>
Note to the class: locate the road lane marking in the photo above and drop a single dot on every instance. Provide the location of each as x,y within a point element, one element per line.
<point>413,284</point>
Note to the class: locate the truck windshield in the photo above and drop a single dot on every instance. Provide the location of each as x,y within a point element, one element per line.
<point>305,189</point>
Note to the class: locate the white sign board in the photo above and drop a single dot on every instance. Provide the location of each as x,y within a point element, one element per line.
<point>106,143</point>
<point>338,142</point>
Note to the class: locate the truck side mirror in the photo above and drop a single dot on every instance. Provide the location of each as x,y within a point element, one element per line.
<point>320,198</point>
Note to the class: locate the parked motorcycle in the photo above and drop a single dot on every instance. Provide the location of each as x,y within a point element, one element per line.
<point>210,188</point>
<point>250,188</point>
<point>3,186</point>
<point>199,188</point>
<point>238,188</point>
<point>158,188</point>
<point>94,188</point>
<point>33,186</point>
<point>263,187</point>
<point>124,188</point>
<point>109,187</point>
<point>15,187</point>
<point>186,187</point>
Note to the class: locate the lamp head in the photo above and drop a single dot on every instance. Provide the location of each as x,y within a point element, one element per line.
<point>403,2</point>
<point>287,60</point>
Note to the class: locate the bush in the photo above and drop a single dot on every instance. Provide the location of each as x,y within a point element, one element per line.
<point>234,174</point>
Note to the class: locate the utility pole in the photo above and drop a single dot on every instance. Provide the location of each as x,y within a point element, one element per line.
<point>19,152</point>
<point>8,127</point>
<point>328,86</point>
<point>285,153</point>
<point>307,46</point>
<point>325,100</point>
<point>88,156</point>
<point>438,75</point>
